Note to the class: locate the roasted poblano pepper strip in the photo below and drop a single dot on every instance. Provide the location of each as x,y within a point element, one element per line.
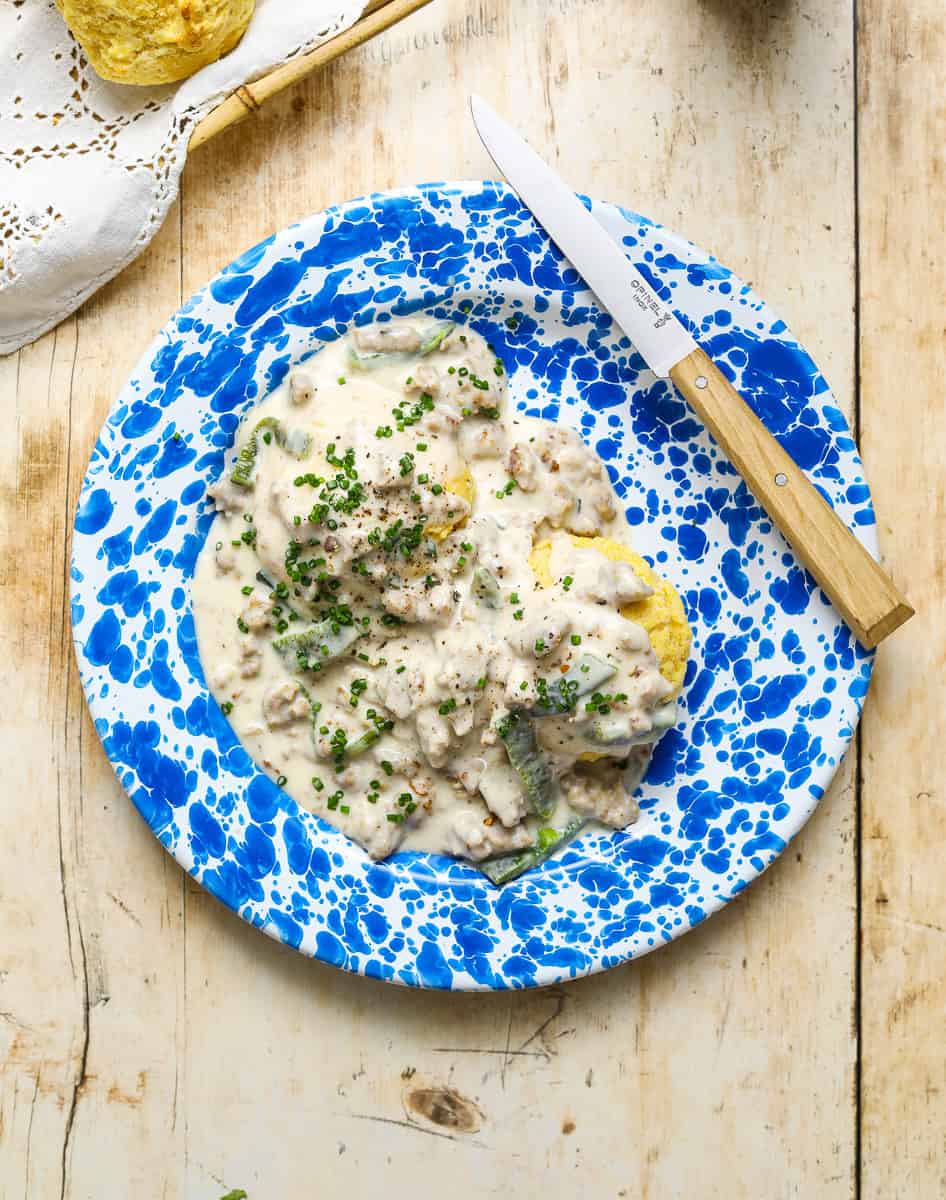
<point>559,695</point>
<point>366,740</point>
<point>485,588</point>
<point>435,337</point>
<point>316,706</point>
<point>245,465</point>
<point>518,736</point>
<point>636,768</point>
<point>507,867</point>
<point>368,360</point>
<point>296,442</point>
<point>615,732</point>
<point>313,648</point>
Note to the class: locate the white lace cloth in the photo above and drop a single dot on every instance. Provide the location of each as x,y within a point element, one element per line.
<point>88,169</point>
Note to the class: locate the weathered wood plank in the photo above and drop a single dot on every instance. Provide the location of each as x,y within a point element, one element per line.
<point>722,1066</point>
<point>735,126</point>
<point>902,133</point>
<point>377,15</point>
<point>129,893</point>
<point>42,988</point>
<point>92,946</point>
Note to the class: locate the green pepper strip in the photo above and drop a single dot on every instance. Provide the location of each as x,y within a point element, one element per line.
<point>507,867</point>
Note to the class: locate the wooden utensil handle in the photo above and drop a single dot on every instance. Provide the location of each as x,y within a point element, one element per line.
<point>376,17</point>
<point>859,588</point>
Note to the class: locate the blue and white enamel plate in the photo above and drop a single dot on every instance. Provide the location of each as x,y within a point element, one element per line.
<point>776,681</point>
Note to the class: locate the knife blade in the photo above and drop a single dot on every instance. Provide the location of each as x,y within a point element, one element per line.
<point>859,588</point>
<point>650,323</point>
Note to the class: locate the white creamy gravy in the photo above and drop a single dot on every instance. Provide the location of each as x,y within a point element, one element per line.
<point>396,737</point>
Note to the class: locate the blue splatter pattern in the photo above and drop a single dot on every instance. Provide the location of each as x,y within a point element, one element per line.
<point>776,681</point>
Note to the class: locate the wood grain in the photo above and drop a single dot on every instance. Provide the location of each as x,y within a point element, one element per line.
<point>378,16</point>
<point>591,1076</point>
<point>902,135</point>
<point>137,1015</point>
<point>91,941</point>
<point>857,585</point>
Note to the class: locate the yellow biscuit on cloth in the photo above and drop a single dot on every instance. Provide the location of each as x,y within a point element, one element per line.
<point>155,41</point>
<point>661,614</point>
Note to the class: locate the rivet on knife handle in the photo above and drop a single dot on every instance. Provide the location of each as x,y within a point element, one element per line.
<point>860,589</point>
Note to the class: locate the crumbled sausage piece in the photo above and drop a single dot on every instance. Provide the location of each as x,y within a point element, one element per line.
<point>250,658</point>
<point>226,496</point>
<point>602,501</point>
<point>222,675</point>
<point>462,718</point>
<point>442,419</point>
<point>418,603</point>
<point>544,633</point>
<point>519,684</point>
<point>433,733</point>
<point>369,825</point>
<point>401,692</point>
<point>523,466</point>
<point>257,614</point>
<point>473,838</point>
<point>481,439</point>
<point>383,339</point>
<point>613,583</point>
<point>284,703</point>
<point>503,793</point>
<point>469,771</point>
<point>444,508</point>
<point>597,790</point>
<point>588,510</point>
<point>421,784</point>
<point>301,387</point>
<point>391,474</point>
<point>424,378</point>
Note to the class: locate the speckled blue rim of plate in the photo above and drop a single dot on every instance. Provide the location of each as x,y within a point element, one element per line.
<point>775,684</point>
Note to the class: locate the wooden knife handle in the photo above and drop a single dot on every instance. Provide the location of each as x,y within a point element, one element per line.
<point>859,588</point>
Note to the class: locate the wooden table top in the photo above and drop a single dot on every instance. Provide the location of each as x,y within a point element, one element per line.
<point>152,1045</point>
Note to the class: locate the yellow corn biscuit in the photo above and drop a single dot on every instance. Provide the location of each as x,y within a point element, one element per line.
<point>155,41</point>
<point>661,614</point>
<point>464,486</point>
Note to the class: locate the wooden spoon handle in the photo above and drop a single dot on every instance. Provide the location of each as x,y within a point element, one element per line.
<point>860,589</point>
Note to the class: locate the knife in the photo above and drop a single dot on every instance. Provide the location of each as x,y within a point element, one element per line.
<point>857,585</point>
